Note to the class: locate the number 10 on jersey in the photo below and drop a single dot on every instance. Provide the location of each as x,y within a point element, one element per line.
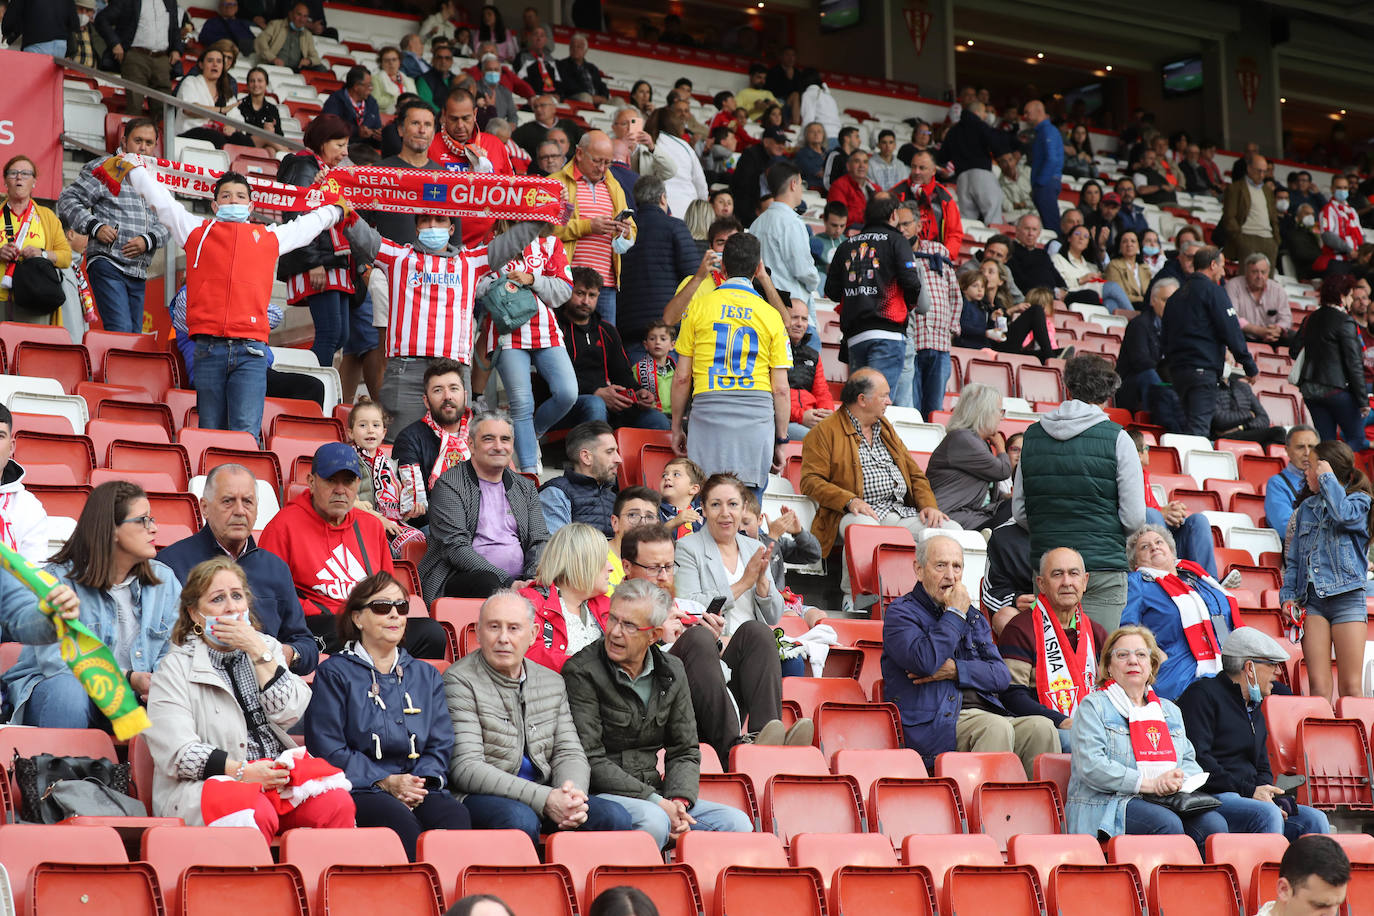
<point>736,349</point>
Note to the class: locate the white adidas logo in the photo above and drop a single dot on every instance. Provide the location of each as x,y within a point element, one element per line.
<point>340,573</point>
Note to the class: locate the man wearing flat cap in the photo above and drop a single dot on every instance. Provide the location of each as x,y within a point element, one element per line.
<point>1222,716</point>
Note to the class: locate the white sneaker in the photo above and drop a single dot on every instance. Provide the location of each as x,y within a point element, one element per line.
<point>847,604</point>
<point>1232,579</point>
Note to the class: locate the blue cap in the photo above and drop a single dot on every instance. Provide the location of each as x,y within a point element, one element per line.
<point>333,457</point>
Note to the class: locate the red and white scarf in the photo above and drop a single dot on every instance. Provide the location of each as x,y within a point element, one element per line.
<point>1151,744</point>
<point>389,190</point>
<point>1063,677</point>
<point>1194,613</point>
<point>385,488</point>
<point>454,448</point>
<point>25,219</point>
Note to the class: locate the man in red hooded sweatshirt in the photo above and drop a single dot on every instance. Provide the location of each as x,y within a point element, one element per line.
<point>462,147</point>
<point>330,547</point>
<point>939,211</point>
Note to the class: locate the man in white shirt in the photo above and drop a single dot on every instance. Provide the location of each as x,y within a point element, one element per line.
<point>689,181</point>
<point>784,238</point>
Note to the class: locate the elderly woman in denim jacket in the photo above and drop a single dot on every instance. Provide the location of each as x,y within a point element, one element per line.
<point>1323,594</point>
<point>128,599</point>
<point>1129,745</point>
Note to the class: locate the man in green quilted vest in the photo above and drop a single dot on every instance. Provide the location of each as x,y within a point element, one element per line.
<point>1079,485</point>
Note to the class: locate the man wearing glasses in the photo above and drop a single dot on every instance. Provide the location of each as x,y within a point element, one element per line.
<point>751,690</point>
<point>634,506</point>
<point>626,678</point>
<point>595,236</point>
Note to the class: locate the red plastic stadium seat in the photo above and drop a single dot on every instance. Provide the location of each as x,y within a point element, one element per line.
<point>49,423</point>
<point>450,851</point>
<point>307,427</point>
<point>809,692</point>
<point>98,342</point>
<point>1361,708</point>
<point>150,481</point>
<point>183,406</point>
<point>65,501</point>
<point>989,372</point>
<point>733,789</point>
<point>672,888</point>
<point>1040,383</point>
<point>68,363</point>
<point>1335,760</point>
<point>860,543</point>
<point>1196,500</point>
<point>136,412</point>
<point>1007,890</point>
<point>1258,469</point>
<point>196,441</point>
<point>749,889</point>
<point>631,442</point>
<point>176,509</point>
<point>264,465</point>
<point>1243,851</point>
<point>902,890</point>
<point>318,852</point>
<point>24,847</point>
<point>1251,505</point>
<point>1046,852</point>
<point>1281,717</point>
<point>875,726</point>
<point>900,807</point>
<point>13,333</point>
<point>1146,853</point>
<point>827,852</point>
<point>543,889</point>
<point>1054,768</point>
<point>896,570</point>
<point>50,475</point>
<point>941,853</point>
<point>141,456</point>
<point>1211,889</point>
<point>760,761</point>
<point>155,372</point>
<point>239,863</point>
<point>289,450</point>
<point>868,765</point>
<point>710,853</point>
<point>812,804</point>
<point>103,432</point>
<point>997,797</point>
<point>581,852</point>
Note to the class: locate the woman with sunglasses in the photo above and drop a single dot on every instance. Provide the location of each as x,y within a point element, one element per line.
<point>380,715</point>
<point>221,704</point>
<point>128,600</point>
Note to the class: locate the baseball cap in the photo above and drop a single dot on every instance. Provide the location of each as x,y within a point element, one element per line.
<point>333,457</point>
<point>775,134</point>
<point>1249,642</point>
<point>1111,197</point>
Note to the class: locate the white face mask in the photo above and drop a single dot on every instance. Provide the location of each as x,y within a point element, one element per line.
<point>1281,205</point>
<point>1309,220</point>
<point>84,19</point>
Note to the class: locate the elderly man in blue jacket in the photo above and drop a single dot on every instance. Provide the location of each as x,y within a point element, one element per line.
<point>942,668</point>
<point>1198,326</point>
<point>229,504</point>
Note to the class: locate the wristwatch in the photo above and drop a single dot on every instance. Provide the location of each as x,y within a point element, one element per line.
<point>781,440</point>
<point>264,658</point>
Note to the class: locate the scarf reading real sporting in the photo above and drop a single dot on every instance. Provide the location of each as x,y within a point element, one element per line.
<point>1151,744</point>
<point>1194,613</point>
<point>1063,677</point>
<point>389,190</point>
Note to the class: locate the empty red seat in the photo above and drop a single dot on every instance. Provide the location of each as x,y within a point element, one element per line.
<point>98,342</point>
<point>1054,768</point>
<point>264,465</point>
<point>76,452</point>
<point>1281,717</point>
<point>793,804</point>
<point>1007,890</point>
<point>710,853</point>
<point>13,333</point>
<point>49,423</point>
<point>50,475</point>
<point>26,847</point>
<point>450,851</point>
<point>68,363</point>
<point>355,854</point>
<point>733,789</point>
<point>760,761</point>
<point>545,889</point>
<point>156,372</point>
<point>750,889</point>
<point>581,852</point>
<point>902,890</point>
<point>807,692</point>
<point>941,853</point>
<point>1145,853</point>
<point>875,726</point>
<point>1210,889</point>
<point>1040,383</point>
<point>997,797</point>
<point>990,372</point>
<point>307,427</point>
<point>150,481</point>
<point>899,807</point>
<point>1046,852</point>
<point>868,765</point>
<point>896,571</point>
<point>672,888</point>
<point>238,857</point>
<point>196,441</point>
<point>66,501</point>
<point>176,509</point>
<point>860,543</point>
<point>1335,762</point>
<point>103,432</point>
<point>827,852</point>
<point>1243,851</point>
<point>136,412</point>
<point>170,459</point>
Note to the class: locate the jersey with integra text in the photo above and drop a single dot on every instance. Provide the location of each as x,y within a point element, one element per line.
<point>431,297</point>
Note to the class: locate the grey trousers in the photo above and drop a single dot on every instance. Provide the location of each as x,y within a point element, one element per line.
<point>980,197</point>
<point>1105,597</point>
<point>1025,736</point>
<point>403,390</point>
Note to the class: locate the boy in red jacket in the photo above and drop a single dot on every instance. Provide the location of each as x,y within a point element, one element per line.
<point>330,547</point>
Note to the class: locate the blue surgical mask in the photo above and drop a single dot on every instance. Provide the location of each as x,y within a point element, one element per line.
<point>233,213</point>
<point>210,622</point>
<point>1150,250</point>
<point>1256,697</point>
<point>435,238</point>
<point>622,244</point>
<point>1341,194</point>
<point>491,77</point>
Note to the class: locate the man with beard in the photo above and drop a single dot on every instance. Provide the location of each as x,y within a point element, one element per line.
<point>435,442</point>
<point>587,490</point>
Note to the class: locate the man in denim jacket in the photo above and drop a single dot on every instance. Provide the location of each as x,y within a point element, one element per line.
<point>943,671</point>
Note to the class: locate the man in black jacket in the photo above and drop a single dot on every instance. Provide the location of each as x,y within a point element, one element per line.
<point>664,252</point>
<point>40,26</point>
<point>607,389</point>
<point>970,146</point>
<point>1222,717</point>
<point>1198,327</point>
<point>1030,264</point>
<point>156,26</point>
<point>873,276</point>
<point>1138,364</point>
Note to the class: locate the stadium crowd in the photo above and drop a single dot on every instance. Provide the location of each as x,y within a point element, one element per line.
<point>623,628</point>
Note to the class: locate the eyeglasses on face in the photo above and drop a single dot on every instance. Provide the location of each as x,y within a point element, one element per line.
<point>1125,655</point>
<point>660,570</point>
<point>19,174</point>
<point>613,622</point>
<point>147,521</point>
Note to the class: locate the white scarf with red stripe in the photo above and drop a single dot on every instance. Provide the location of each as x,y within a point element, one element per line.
<point>1063,677</point>
<point>17,240</point>
<point>1194,613</point>
<point>1151,743</point>
<point>454,448</point>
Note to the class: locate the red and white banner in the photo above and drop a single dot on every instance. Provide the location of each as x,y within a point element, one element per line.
<point>390,190</point>
<point>31,116</point>
<point>1248,75</point>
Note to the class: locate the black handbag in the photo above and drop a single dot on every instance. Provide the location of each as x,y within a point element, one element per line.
<point>37,288</point>
<point>38,775</point>
<point>1186,804</point>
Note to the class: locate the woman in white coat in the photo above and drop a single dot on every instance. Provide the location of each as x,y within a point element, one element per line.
<point>221,702</point>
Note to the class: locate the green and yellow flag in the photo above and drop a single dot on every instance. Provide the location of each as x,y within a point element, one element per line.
<point>90,660</point>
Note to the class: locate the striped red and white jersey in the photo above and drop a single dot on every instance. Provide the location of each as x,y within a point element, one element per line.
<point>1341,219</point>
<point>431,300</point>
<point>544,257</point>
<point>519,159</point>
<point>338,279</point>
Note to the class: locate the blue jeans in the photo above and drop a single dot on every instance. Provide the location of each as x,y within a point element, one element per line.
<point>648,816</point>
<point>1193,539</point>
<point>1250,815</point>
<point>118,297</point>
<point>514,367</point>
<point>605,304</point>
<point>931,374</point>
<point>1338,409</point>
<point>1065,740</point>
<point>329,311</point>
<point>1114,297</point>
<point>57,47</point>
<point>61,702</point>
<point>231,383</point>
<point>590,407</point>
<point>1144,817</point>
<point>886,356</point>
<point>496,812</point>
<point>1046,200</point>
<point>362,333</point>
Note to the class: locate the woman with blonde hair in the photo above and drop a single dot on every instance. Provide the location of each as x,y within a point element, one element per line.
<point>1131,755</point>
<point>570,594</point>
<point>971,460</point>
<point>698,220</point>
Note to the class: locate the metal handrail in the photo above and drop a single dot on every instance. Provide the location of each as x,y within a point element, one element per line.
<point>170,104</point>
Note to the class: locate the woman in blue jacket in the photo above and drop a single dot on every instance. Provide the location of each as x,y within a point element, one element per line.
<point>128,599</point>
<point>1129,745</point>
<point>380,716</point>
<point>1324,578</point>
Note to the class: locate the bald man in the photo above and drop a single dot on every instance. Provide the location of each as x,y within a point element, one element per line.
<point>1047,162</point>
<point>594,237</point>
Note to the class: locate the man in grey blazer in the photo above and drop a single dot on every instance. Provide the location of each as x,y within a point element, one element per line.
<point>516,750</point>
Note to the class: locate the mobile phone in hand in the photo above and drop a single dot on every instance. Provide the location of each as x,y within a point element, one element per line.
<point>623,215</point>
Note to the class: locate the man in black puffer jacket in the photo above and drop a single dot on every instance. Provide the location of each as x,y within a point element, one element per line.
<point>663,254</point>
<point>873,277</point>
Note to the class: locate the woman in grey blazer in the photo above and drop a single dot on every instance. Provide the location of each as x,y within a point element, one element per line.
<point>719,561</point>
